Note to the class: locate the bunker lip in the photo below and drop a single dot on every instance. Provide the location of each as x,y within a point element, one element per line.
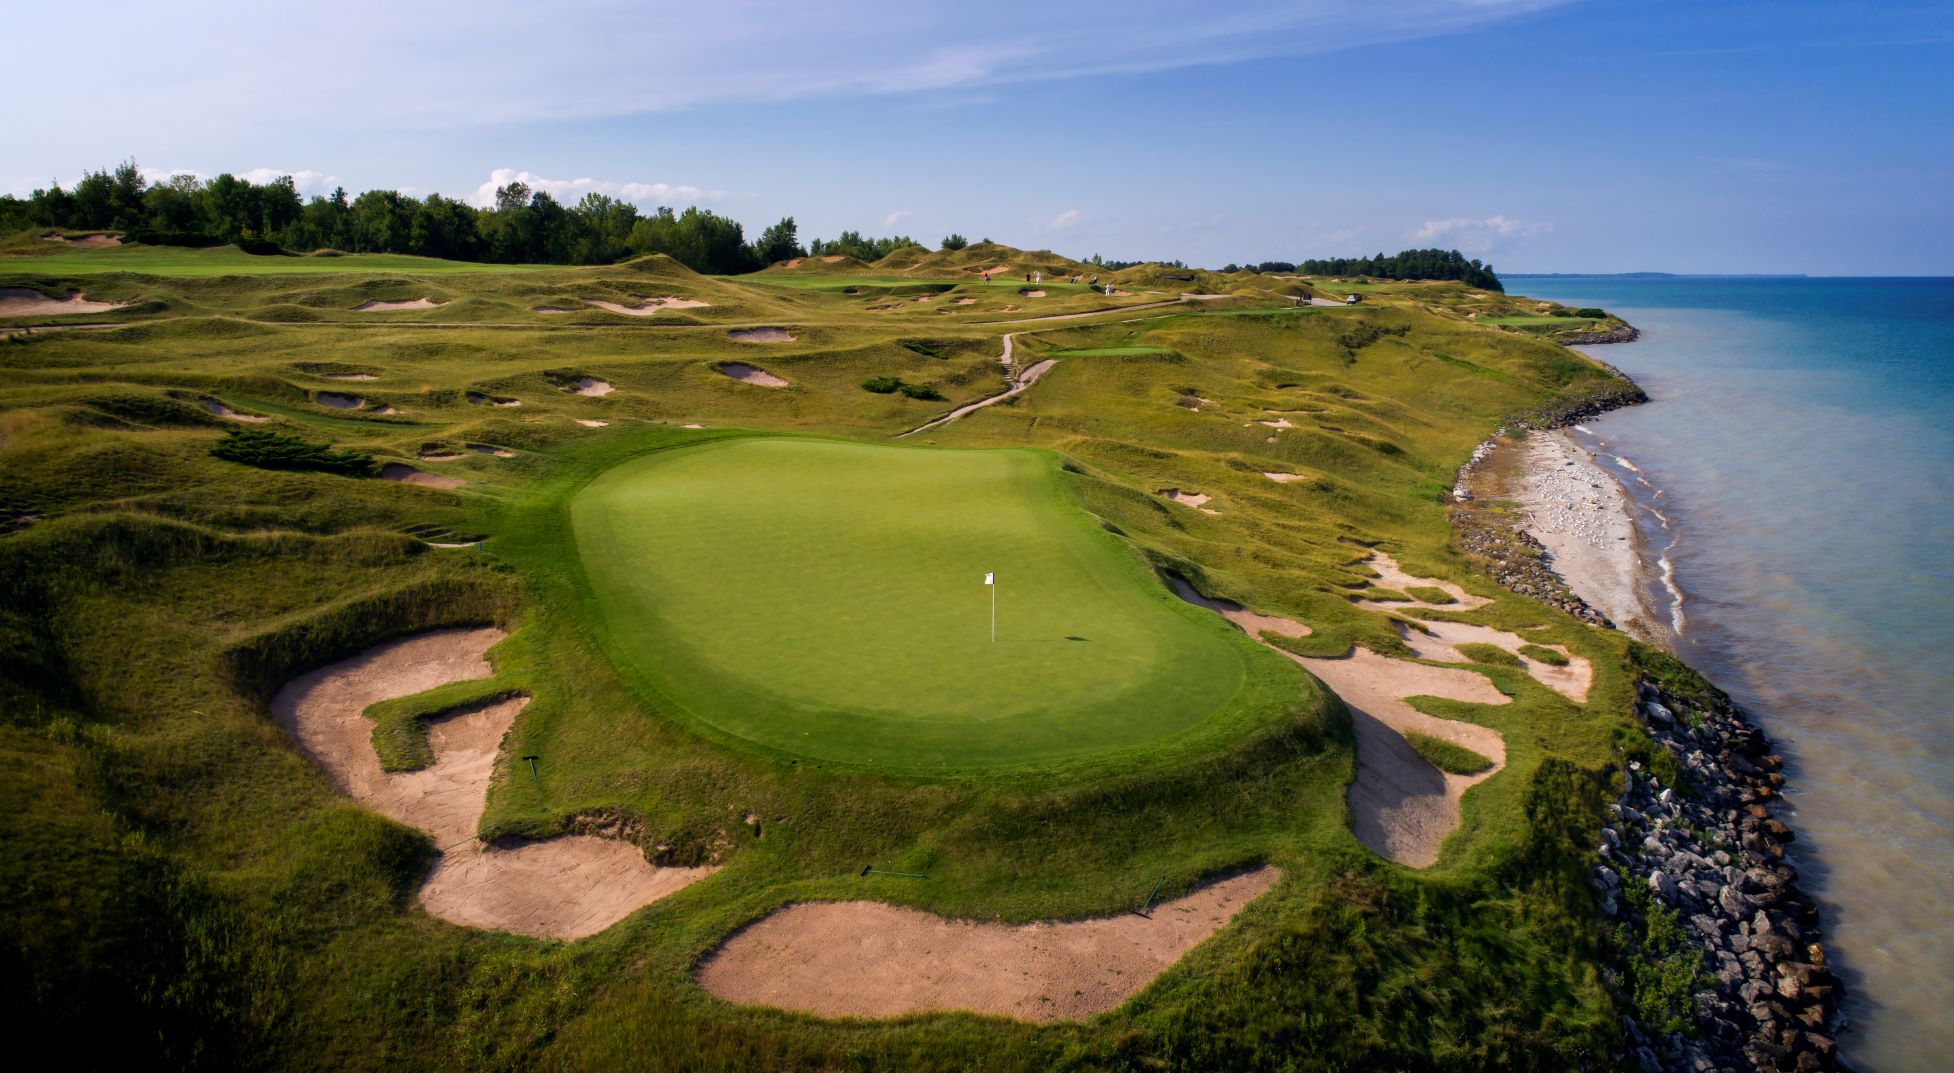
<point>872,959</point>
<point>563,888</point>
<point>761,335</point>
<point>218,409</point>
<point>748,374</point>
<point>378,306</point>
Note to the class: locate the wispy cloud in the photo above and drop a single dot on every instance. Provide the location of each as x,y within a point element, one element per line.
<point>570,191</point>
<point>1063,220</point>
<point>1477,235</point>
<point>890,221</point>
<point>468,63</point>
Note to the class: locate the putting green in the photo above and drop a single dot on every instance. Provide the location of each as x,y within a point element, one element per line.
<point>827,599</point>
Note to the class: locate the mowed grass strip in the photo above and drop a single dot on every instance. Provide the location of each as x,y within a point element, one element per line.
<point>826,599</point>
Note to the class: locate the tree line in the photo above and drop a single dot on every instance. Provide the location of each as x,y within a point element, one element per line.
<point>1409,264</point>
<point>523,226</point>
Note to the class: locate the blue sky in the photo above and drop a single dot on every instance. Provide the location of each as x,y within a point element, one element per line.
<point>1543,135</point>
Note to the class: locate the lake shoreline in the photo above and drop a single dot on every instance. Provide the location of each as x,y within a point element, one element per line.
<point>1691,838</point>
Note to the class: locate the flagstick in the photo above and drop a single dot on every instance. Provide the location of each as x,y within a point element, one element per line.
<point>993,588</point>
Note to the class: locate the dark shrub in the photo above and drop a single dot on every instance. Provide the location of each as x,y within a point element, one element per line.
<point>274,450</point>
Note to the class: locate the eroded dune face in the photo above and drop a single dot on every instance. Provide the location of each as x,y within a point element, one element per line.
<point>563,888</point>
<point>870,959</point>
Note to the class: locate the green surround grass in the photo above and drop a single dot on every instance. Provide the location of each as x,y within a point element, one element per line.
<point>826,599</point>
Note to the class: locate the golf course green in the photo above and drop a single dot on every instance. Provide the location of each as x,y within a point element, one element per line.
<point>827,600</point>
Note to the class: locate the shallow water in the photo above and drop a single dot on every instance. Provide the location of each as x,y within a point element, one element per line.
<point>1794,471</point>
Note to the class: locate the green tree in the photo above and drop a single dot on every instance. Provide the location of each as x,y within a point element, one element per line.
<point>954,241</point>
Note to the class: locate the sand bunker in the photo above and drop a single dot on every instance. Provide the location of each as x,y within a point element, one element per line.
<point>350,376</point>
<point>590,385</point>
<point>565,888</point>
<point>761,335</point>
<point>1280,422</point>
<point>868,959</point>
<point>749,374</point>
<point>406,474</point>
<point>385,307</point>
<point>383,409</point>
<point>491,449</point>
<point>86,242</point>
<point>1189,499</point>
<point>1401,806</point>
<point>963,301</point>
<point>591,422</point>
<point>221,410</point>
<point>1204,297</point>
<point>833,259</point>
<point>548,309</point>
<point>440,456</point>
<point>693,425</point>
<point>479,399</point>
<point>1283,478</point>
<point>1031,294</point>
<point>1571,681</point>
<point>338,401</point>
<point>647,307</point>
<point>1392,576</point>
<point>1251,623</point>
<point>26,302</point>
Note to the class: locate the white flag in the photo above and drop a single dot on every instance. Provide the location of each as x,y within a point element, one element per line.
<point>987,579</point>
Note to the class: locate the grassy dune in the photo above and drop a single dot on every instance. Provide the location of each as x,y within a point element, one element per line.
<point>167,853</point>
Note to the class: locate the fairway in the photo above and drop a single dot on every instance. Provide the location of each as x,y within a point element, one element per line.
<point>827,599</point>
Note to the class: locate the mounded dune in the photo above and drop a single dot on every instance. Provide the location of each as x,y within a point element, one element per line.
<point>406,474</point>
<point>749,374</point>
<point>563,888</point>
<point>27,302</point>
<point>870,959</point>
<point>388,307</point>
<point>761,335</point>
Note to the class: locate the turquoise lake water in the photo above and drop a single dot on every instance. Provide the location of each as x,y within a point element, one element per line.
<point>1795,472</point>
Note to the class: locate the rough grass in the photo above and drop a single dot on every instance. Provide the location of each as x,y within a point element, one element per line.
<point>184,888</point>
<point>1446,756</point>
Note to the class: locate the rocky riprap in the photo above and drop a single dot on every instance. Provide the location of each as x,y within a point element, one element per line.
<point>1711,852</point>
<point>1623,334</point>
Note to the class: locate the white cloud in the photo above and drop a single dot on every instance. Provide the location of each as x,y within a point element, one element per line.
<point>1478,235</point>
<point>1064,220</point>
<point>890,221</point>
<point>570,191</point>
